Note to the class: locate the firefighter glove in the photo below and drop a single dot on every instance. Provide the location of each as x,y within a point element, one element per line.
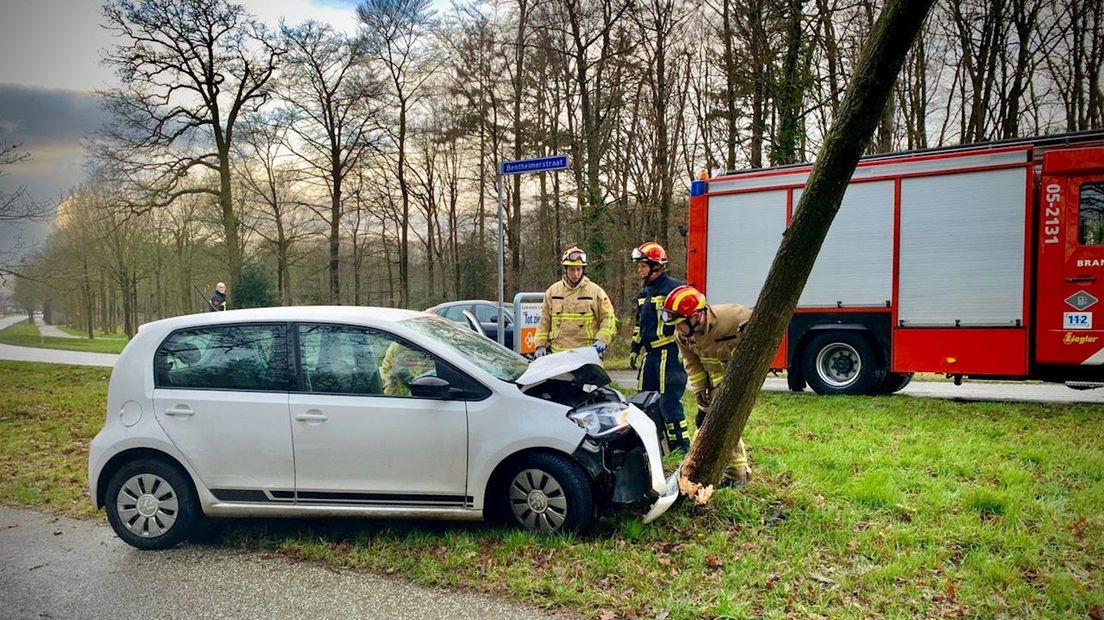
<point>541,351</point>
<point>633,360</point>
<point>600,347</point>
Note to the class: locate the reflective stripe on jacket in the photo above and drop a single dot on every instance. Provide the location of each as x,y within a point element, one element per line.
<point>705,353</point>
<point>650,334</point>
<point>574,317</point>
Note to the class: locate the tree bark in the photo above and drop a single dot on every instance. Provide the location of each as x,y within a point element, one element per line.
<point>860,111</point>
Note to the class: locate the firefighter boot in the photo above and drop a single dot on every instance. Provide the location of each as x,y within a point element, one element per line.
<point>738,471</point>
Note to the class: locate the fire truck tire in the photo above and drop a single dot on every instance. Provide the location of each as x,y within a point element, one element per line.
<point>842,363</point>
<point>895,382</point>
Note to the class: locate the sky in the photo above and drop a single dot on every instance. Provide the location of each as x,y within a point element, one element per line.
<point>49,70</point>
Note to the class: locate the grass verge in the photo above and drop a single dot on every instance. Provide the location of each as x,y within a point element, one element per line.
<point>860,507</point>
<point>25,334</point>
<point>99,333</point>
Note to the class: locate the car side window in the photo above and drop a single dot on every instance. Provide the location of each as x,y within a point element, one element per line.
<point>454,313</point>
<point>340,359</point>
<point>486,313</point>
<point>224,357</point>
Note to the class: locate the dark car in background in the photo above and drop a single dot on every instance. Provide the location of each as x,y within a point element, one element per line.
<point>484,313</point>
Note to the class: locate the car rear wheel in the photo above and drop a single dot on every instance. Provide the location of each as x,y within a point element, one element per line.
<point>547,493</point>
<point>151,505</point>
<point>842,363</point>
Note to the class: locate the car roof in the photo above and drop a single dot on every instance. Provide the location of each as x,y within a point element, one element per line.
<point>355,314</point>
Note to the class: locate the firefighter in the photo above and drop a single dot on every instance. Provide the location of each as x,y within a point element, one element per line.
<point>400,366</point>
<point>576,312</point>
<point>706,336</point>
<point>660,370</point>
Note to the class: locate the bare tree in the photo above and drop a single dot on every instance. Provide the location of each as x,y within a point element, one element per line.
<point>333,101</point>
<point>395,34</point>
<point>189,69</point>
<point>860,111</point>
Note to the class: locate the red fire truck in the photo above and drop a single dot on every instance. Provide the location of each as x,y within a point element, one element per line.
<point>979,261</point>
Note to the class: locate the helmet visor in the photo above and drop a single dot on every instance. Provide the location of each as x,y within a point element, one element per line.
<point>575,256</point>
<point>669,317</point>
<point>637,254</point>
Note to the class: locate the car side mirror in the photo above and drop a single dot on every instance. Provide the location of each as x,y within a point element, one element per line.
<point>429,387</point>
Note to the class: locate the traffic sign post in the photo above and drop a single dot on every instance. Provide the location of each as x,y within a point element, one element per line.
<point>521,166</point>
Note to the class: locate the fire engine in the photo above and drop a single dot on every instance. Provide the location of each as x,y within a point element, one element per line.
<point>982,261</point>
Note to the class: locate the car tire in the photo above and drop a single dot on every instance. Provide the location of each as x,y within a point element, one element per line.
<point>546,493</point>
<point>842,363</point>
<point>895,382</point>
<point>151,504</point>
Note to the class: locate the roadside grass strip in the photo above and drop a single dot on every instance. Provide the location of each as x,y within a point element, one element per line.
<point>24,334</point>
<point>860,507</point>
<point>98,333</point>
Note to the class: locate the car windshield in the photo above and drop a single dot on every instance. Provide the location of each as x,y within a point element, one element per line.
<point>495,360</point>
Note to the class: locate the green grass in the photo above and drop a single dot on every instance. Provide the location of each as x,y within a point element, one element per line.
<point>860,507</point>
<point>48,415</point>
<point>25,334</point>
<point>98,333</point>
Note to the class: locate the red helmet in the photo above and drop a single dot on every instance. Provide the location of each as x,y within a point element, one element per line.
<point>681,304</point>
<point>651,252</point>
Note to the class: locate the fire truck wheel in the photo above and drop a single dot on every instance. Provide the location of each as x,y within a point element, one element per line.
<point>895,382</point>
<point>842,363</point>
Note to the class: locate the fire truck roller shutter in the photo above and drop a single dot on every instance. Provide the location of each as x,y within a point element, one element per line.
<point>744,233</point>
<point>962,250</point>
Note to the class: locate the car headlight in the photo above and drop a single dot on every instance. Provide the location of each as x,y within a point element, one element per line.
<point>602,419</point>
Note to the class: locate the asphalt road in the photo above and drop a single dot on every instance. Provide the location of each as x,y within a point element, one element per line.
<point>53,567</point>
<point>1004,391</point>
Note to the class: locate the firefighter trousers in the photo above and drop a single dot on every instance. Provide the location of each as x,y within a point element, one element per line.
<point>738,470</point>
<point>661,371</point>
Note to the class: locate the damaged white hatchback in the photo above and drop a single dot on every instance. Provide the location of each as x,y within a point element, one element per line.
<point>365,412</point>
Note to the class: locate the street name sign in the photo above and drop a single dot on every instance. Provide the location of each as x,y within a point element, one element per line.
<point>540,164</point>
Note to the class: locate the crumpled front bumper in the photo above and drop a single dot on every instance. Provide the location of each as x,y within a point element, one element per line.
<point>665,489</point>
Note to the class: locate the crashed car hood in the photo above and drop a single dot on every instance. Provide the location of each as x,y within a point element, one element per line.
<point>580,365</point>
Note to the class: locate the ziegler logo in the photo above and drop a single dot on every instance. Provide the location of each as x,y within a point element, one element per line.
<point>1079,339</point>
<point>1090,262</point>
<point>1051,214</point>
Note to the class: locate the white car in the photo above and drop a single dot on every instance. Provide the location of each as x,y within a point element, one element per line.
<point>365,412</point>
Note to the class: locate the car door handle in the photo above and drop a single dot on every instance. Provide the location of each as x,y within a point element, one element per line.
<point>311,417</point>
<point>1081,279</point>
<point>180,410</point>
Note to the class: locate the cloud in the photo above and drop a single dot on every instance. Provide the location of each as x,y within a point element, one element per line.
<point>46,116</point>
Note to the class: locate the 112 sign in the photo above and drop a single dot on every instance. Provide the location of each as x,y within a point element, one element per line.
<point>1077,320</point>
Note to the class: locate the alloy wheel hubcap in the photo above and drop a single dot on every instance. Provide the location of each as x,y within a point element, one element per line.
<point>147,505</point>
<point>537,501</point>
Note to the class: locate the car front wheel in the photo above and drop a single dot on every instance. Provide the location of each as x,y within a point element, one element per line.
<point>547,493</point>
<point>151,505</point>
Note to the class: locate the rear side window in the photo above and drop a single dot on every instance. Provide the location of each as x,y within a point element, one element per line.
<point>226,357</point>
<point>1090,222</point>
<point>454,313</point>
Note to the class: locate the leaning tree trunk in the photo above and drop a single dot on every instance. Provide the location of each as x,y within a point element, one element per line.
<point>860,112</point>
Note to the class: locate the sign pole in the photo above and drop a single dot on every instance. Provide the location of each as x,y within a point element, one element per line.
<point>540,164</point>
<point>501,262</point>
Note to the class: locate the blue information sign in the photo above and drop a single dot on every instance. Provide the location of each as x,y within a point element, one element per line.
<point>541,164</point>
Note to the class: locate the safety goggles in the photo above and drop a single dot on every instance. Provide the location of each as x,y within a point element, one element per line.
<point>575,255</point>
<point>670,318</point>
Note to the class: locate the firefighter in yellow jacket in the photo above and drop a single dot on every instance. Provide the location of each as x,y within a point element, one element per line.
<point>706,336</point>
<point>576,312</point>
